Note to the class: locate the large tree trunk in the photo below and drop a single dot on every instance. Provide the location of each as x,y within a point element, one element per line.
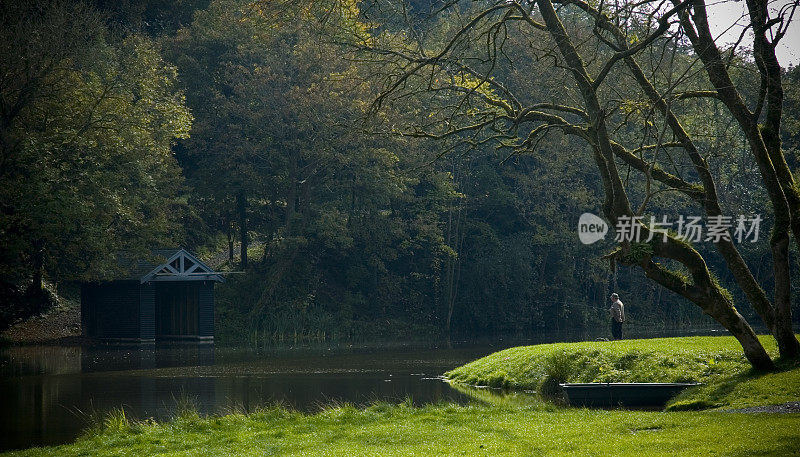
<point>733,259</point>
<point>782,328</point>
<point>765,149</point>
<point>711,299</point>
<point>702,289</point>
<point>241,200</point>
<point>725,313</point>
<point>771,77</point>
<point>229,229</point>
<point>708,196</point>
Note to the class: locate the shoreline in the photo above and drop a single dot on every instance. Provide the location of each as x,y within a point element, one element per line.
<point>511,424</point>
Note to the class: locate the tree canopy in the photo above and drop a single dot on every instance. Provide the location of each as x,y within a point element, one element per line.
<point>88,122</point>
<point>634,77</point>
<point>395,169</point>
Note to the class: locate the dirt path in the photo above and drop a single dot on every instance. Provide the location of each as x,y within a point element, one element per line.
<point>791,407</point>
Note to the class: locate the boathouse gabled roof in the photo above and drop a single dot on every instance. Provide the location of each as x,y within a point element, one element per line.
<point>180,265</point>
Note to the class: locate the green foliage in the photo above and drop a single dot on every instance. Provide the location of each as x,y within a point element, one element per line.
<point>559,366</point>
<point>639,251</point>
<point>87,169</point>
<point>20,303</point>
<point>515,59</point>
<point>346,219</point>
<point>497,379</point>
<point>363,229</point>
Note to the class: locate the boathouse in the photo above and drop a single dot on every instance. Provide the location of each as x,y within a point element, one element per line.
<point>169,296</point>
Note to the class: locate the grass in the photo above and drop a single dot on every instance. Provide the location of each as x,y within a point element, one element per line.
<point>743,390</point>
<point>384,429</point>
<point>717,362</point>
<point>509,424</point>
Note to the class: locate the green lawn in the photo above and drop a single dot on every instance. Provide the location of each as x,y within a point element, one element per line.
<point>513,424</point>
<point>717,362</point>
<point>447,430</point>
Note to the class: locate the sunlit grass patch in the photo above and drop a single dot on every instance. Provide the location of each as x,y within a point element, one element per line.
<point>716,362</point>
<point>446,429</point>
<point>513,423</point>
<point>654,360</point>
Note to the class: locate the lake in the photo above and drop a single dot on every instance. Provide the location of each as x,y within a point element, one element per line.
<point>49,393</point>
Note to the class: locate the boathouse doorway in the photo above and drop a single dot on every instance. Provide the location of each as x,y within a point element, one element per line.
<point>177,306</point>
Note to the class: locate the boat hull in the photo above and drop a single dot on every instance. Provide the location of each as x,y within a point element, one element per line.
<point>621,393</point>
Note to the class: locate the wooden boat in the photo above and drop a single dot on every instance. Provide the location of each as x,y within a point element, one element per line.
<point>598,394</point>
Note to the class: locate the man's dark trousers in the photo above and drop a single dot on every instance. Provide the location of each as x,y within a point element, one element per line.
<point>616,329</point>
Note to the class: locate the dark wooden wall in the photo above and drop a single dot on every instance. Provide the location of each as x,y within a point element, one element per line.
<point>129,310</point>
<point>206,311</point>
<point>147,311</point>
<point>111,310</point>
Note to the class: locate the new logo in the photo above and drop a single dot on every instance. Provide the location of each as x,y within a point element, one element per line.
<point>591,228</point>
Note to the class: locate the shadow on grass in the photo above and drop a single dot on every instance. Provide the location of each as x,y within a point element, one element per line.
<point>787,446</point>
<point>716,394</point>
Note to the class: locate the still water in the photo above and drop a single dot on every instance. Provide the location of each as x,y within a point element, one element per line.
<point>48,393</point>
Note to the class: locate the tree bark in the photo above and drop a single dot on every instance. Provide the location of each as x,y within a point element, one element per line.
<point>715,304</point>
<point>698,31</point>
<point>702,290</point>
<point>229,229</point>
<point>782,329</point>
<point>241,200</point>
<point>775,177</point>
<point>707,195</point>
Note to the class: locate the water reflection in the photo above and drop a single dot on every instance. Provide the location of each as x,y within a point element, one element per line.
<point>49,393</point>
<point>505,397</point>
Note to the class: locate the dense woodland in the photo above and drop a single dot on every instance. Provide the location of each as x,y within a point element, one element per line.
<point>353,165</point>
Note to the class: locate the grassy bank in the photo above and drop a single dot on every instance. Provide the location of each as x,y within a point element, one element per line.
<point>514,424</point>
<point>717,362</point>
<point>443,430</point>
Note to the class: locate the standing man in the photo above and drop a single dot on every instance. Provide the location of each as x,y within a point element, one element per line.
<point>617,311</point>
